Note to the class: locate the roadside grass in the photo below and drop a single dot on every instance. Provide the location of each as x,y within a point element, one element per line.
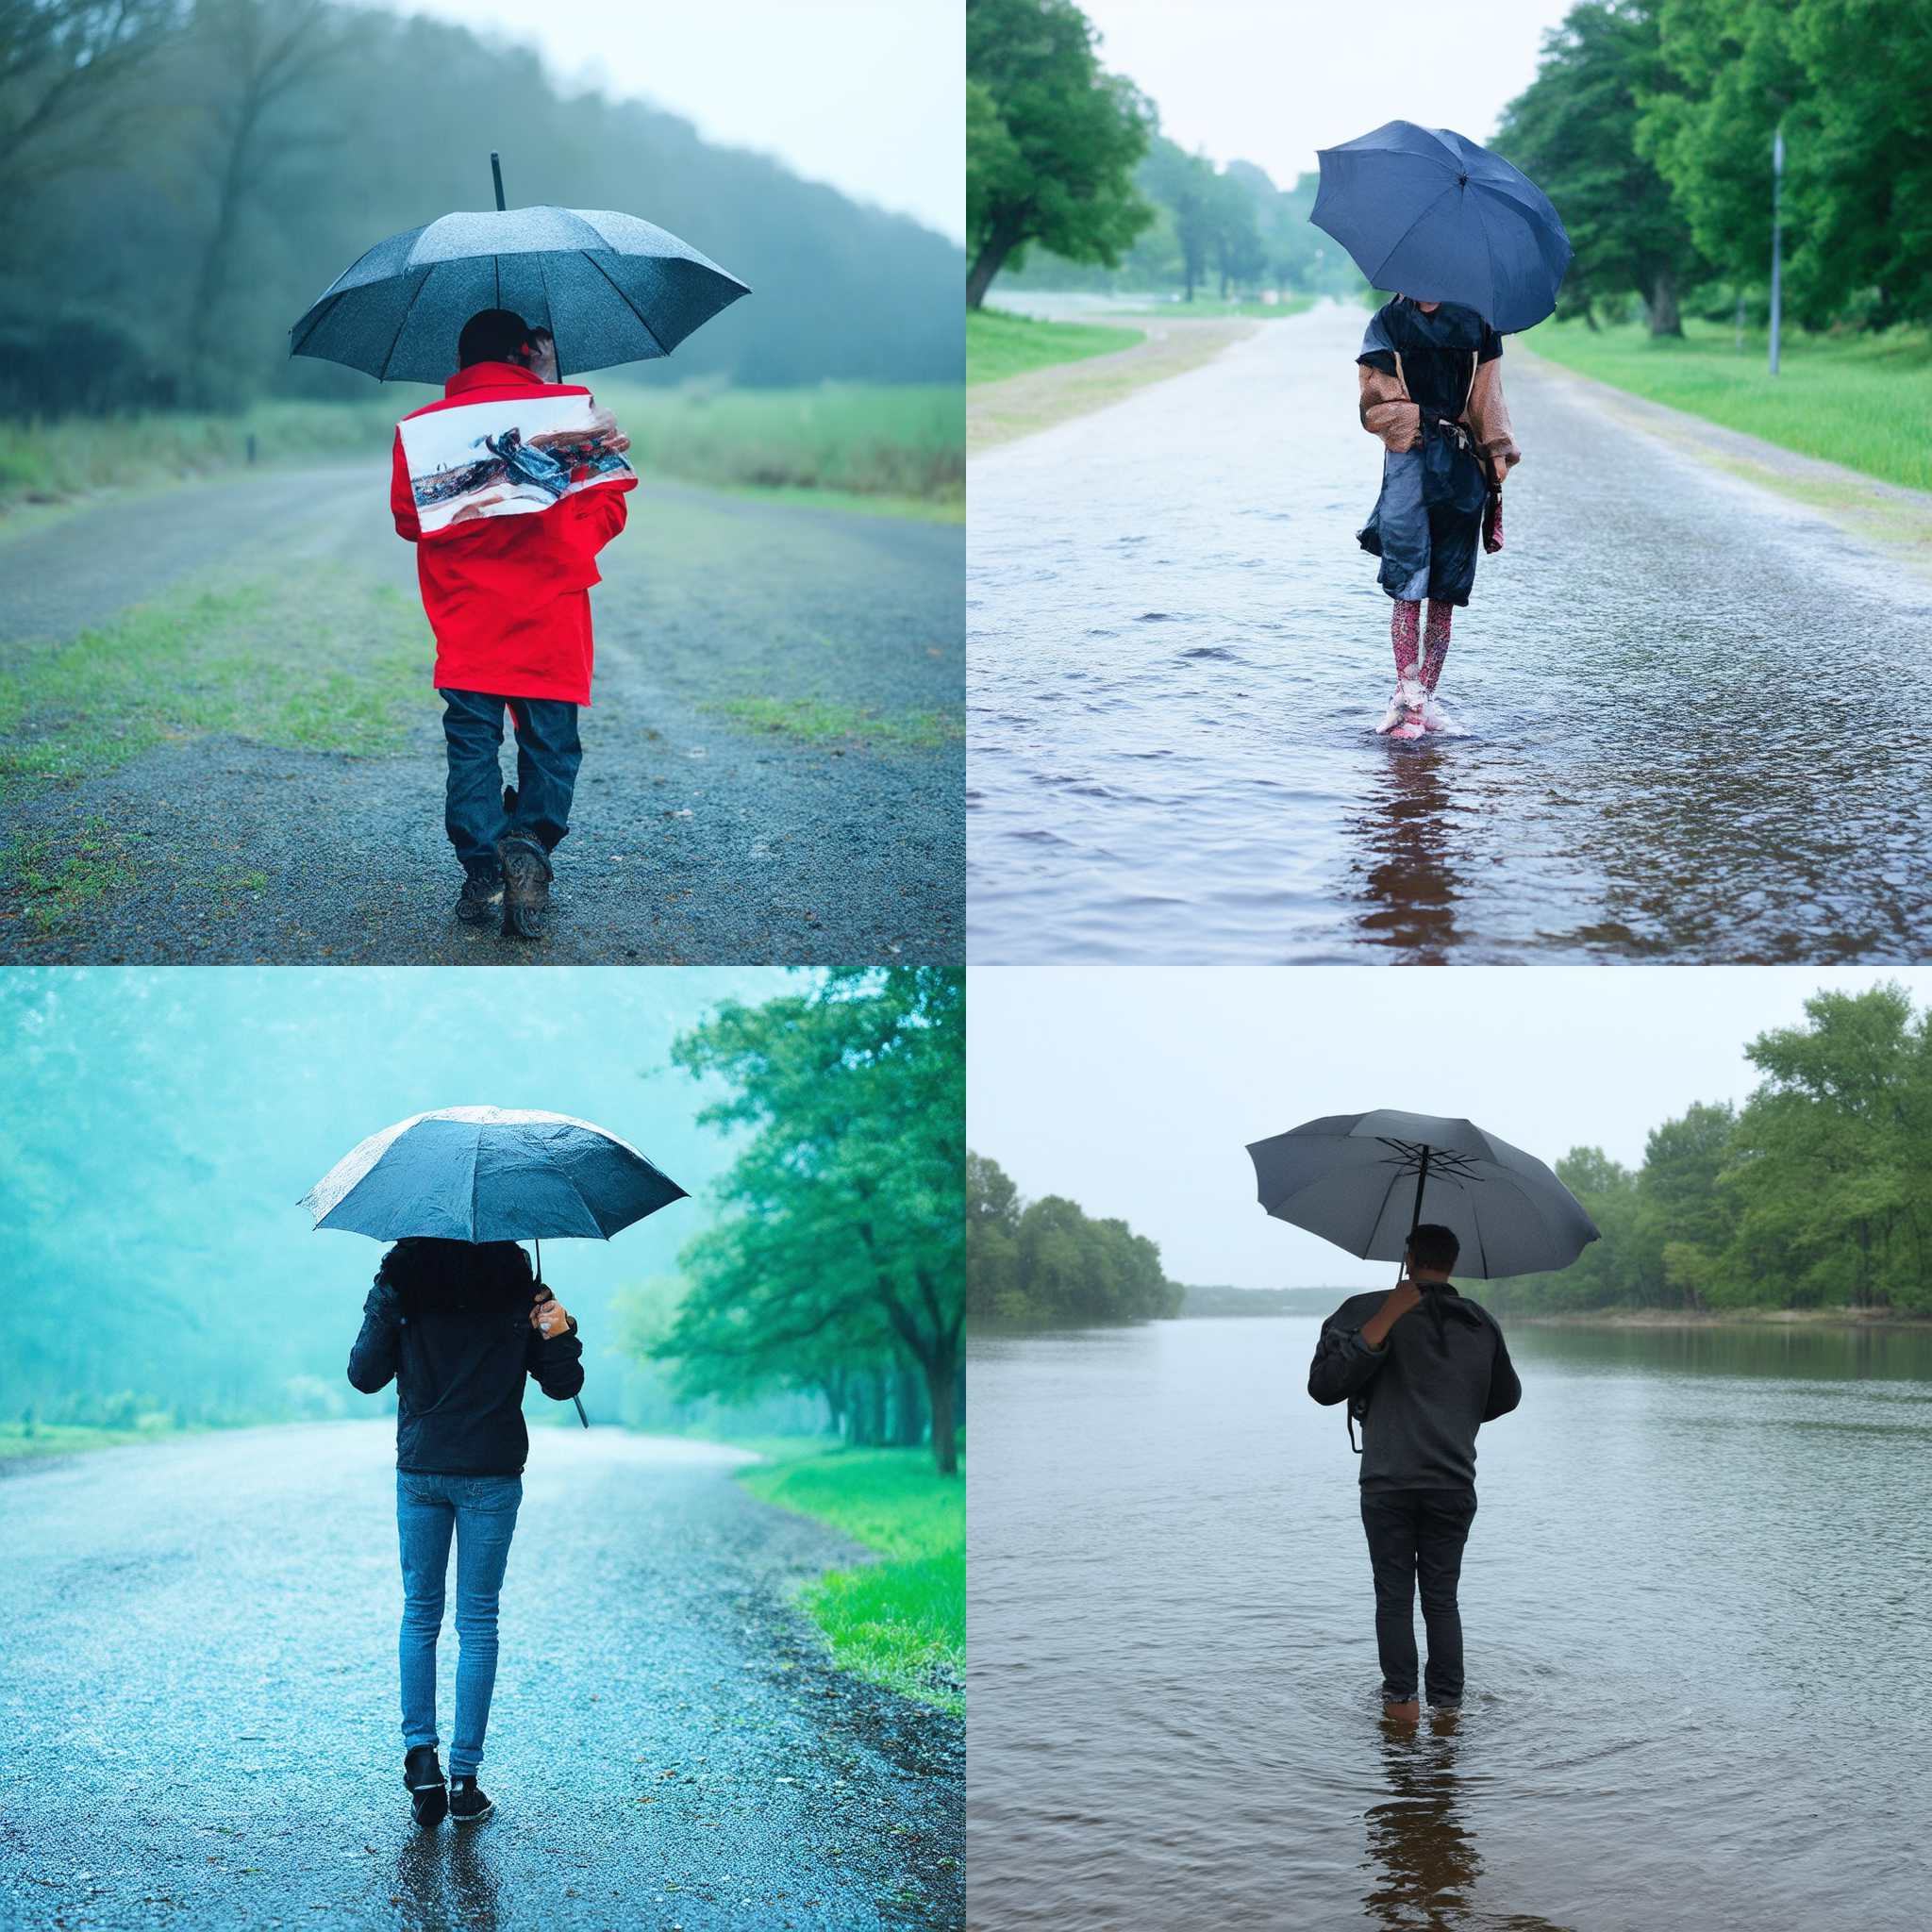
<point>816,721</point>
<point>317,660</point>
<point>20,1440</point>
<point>894,446</point>
<point>900,1622</point>
<point>1213,306</point>
<point>999,344</point>
<point>1861,401</point>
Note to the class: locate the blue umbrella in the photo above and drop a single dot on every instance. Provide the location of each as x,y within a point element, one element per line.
<point>1426,211</point>
<point>608,287</point>
<point>490,1174</point>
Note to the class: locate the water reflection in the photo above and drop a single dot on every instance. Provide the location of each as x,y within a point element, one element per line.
<point>443,1878</point>
<point>1407,849</point>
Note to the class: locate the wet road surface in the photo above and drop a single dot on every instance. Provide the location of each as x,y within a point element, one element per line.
<point>696,838</point>
<point>199,1704</point>
<point>1691,733</point>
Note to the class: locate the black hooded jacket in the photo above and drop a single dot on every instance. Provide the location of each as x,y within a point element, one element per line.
<point>451,1323</point>
<point>1441,1371</point>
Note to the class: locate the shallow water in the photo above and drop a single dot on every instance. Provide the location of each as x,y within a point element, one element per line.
<point>1693,732</point>
<point>1694,1605</point>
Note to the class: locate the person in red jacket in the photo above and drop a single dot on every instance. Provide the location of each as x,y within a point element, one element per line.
<point>508,600</point>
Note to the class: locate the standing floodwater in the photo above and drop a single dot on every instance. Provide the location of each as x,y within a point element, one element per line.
<point>1690,1605</point>
<point>1695,733</point>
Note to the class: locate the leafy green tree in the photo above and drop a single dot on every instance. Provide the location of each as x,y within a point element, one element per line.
<point>842,1237</point>
<point>1184,185</point>
<point>1573,131</point>
<point>1052,141</point>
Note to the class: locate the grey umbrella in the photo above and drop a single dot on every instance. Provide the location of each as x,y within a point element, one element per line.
<point>610,289</point>
<point>1365,1180</point>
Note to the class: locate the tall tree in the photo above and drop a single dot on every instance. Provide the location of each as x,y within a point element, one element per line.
<point>1051,141</point>
<point>1573,131</point>
<point>845,1222</point>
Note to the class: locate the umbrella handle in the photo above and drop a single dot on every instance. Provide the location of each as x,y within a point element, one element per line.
<point>535,1243</point>
<point>1415,1220</point>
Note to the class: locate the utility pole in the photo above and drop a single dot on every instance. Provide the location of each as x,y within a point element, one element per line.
<point>1778,183</point>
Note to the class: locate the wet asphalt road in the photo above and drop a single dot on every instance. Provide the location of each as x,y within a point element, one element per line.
<point>696,838</point>
<point>1693,733</point>
<point>199,1706</point>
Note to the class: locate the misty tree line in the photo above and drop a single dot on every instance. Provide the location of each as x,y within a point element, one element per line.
<point>1817,1193</point>
<point>183,178</point>
<point>1047,1260</point>
<point>1649,124</point>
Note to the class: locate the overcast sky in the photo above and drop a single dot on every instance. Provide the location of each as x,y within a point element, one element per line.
<point>867,95</point>
<point>1135,1091</point>
<point>1270,81</point>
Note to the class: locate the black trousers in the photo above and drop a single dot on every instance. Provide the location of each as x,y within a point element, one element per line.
<point>1418,1535</point>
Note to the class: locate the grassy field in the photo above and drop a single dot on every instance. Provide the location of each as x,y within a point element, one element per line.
<point>900,1622</point>
<point>1865,402</point>
<point>999,346</point>
<point>1212,305</point>
<point>896,447</point>
<point>19,1441</point>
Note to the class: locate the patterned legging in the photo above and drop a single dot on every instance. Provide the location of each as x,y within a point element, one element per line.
<point>1424,661</point>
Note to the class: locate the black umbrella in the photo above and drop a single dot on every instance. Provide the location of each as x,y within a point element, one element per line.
<point>1366,1180</point>
<point>1429,212</point>
<point>608,287</point>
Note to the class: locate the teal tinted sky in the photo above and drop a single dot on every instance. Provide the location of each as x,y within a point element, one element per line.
<point>1137,1090</point>
<point>868,95</point>
<point>1270,81</point>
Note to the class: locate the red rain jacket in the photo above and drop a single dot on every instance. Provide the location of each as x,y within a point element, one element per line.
<point>509,597</point>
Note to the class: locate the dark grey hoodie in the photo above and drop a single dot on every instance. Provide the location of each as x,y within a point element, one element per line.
<point>1441,1374</point>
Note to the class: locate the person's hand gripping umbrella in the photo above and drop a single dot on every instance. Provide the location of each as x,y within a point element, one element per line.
<point>490,1173</point>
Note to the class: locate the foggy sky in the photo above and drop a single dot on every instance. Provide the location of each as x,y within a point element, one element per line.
<point>1270,81</point>
<point>866,94</point>
<point>1136,1091</point>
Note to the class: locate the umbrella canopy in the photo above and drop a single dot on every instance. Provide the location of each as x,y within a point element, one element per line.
<point>609,287</point>
<point>1428,211</point>
<point>490,1174</point>
<point>1364,1180</point>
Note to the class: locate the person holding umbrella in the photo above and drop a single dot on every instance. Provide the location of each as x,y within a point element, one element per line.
<point>1422,1382</point>
<point>1421,1388</point>
<point>1482,254</point>
<point>458,1327</point>
<point>459,1319</point>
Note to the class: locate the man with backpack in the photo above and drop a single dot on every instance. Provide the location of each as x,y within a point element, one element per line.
<point>1420,1385</point>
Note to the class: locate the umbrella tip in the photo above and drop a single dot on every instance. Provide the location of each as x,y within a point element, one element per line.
<point>496,177</point>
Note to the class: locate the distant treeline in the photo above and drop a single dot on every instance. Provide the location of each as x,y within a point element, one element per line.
<point>1265,1301</point>
<point>1650,125</point>
<point>1817,1193</point>
<point>183,178</point>
<point>1046,1261</point>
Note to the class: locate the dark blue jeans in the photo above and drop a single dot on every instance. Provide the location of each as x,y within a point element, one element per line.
<point>548,755</point>
<point>1418,1535</point>
<point>480,1511</point>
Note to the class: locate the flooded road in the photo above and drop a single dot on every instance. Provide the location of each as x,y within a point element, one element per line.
<point>1692,1605</point>
<point>1692,733</point>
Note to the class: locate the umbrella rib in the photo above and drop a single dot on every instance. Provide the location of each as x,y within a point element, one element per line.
<point>1421,213</point>
<point>322,312</point>
<point>408,307</point>
<point>628,302</point>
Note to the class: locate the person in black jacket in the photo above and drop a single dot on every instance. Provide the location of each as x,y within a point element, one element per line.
<point>459,1326</point>
<point>1421,1386</point>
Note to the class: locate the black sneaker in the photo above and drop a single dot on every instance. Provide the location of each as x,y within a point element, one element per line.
<point>481,903</point>
<point>525,885</point>
<point>423,1779</point>
<point>466,1801</point>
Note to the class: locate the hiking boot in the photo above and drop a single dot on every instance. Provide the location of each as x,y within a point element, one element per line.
<point>525,885</point>
<point>423,1780</point>
<point>481,900</point>
<point>466,1801</point>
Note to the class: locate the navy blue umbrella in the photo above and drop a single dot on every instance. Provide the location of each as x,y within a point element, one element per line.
<point>1429,213</point>
<point>608,287</point>
<point>490,1174</point>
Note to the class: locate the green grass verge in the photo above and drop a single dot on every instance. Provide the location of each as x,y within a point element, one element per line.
<point>20,1440</point>
<point>317,660</point>
<point>998,345</point>
<point>821,722</point>
<point>895,443</point>
<point>900,1622</point>
<point>1861,401</point>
